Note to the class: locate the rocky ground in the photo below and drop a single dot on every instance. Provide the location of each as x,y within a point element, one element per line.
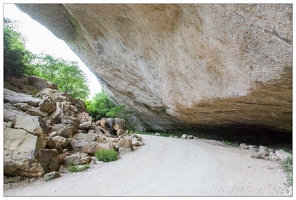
<point>46,130</point>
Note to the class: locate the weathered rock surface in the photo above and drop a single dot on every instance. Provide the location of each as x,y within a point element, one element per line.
<point>206,66</point>
<point>19,153</point>
<point>27,84</point>
<point>47,105</point>
<point>40,83</point>
<point>87,146</point>
<point>32,124</point>
<point>10,112</point>
<point>124,146</point>
<point>58,140</point>
<point>14,97</point>
<point>283,155</point>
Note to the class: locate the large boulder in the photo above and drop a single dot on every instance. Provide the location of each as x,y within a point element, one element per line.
<point>60,141</point>
<point>47,105</point>
<point>40,83</point>
<point>124,146</point>
<point>10,113</point>
<point>83,117</point>
<point>22,106</point>
<point>69,120</point>
<point>32,124</point>
<point>283,155</point>
<point>87,146</point>
<point>20,149</point>
<point>199,66</point>
<point>85,125</point>
<point>71,160</point>
<point>48,159</point>
<point>56,115</point>
<point>14,97</point>
<point>35,111</point>
<point>67,131</point>
<point>80,136</point>
<point>115,123</point>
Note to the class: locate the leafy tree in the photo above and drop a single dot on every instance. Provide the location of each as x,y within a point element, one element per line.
<point>101,106</point>
<point>19,61</point>
<point>115,111</point>
<point>66,74</point>
<point>16,56</point>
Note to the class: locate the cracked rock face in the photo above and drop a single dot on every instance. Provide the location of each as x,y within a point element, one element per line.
<point>194,65</point>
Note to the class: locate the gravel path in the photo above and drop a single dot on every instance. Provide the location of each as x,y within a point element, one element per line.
<point>170,167</point>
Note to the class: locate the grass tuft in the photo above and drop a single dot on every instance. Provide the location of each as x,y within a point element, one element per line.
<point>287,166</point>
<point>78,168</point>
<point>235,144</point>
<point>106,155</point>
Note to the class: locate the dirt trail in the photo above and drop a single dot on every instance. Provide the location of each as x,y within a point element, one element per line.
<point>170,167</point>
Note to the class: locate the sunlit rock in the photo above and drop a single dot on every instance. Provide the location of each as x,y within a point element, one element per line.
<point>225,67</point>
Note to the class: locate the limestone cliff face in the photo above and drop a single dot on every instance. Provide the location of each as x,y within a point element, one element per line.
<point>199,65</point>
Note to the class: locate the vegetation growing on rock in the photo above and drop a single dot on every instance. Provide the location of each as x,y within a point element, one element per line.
<point>78,168</point>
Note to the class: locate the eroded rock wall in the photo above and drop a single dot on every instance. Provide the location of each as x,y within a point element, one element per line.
<point>185,64</point>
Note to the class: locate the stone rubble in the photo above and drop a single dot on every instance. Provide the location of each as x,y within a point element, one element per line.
<point>47,132</point>
<point>263,152</point>
<point>283,155</point>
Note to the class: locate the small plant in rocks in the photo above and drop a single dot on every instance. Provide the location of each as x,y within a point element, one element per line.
<point>78,168</point>
<point>106,155</point>
<point>287,166</point>
<point>235,144</point>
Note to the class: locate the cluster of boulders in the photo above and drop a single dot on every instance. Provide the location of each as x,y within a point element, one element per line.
<point>49,131</point>
<point>184,136</point>
<point>263,152</point>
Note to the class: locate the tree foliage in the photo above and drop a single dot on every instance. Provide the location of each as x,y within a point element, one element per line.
<point>16,56</point>
<point>66,74</point>
<point>101,106</point>
<point>19,61</point>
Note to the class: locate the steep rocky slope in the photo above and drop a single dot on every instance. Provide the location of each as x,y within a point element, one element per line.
<point>220,67</point>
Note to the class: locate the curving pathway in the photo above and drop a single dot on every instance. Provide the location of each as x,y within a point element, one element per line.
<point>170,167</point>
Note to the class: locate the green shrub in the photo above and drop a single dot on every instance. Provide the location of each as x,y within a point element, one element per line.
<point>235,144</point>
<point>16,56</point>
<point>287,166</point>
<point>106,155</point>
<point>78,168</point>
